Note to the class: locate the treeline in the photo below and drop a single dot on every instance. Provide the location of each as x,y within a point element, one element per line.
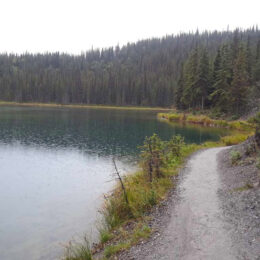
<point>229,82</point>
<point>187,70</point>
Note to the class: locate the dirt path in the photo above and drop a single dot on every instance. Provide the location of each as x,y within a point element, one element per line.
<point>195,229</point>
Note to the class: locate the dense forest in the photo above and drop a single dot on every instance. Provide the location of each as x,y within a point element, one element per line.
<point>189,70</point>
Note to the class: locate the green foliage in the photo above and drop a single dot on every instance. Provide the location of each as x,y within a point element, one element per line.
<point>240,83</point>
<point>186,70</point>
<point>141,233</point>
<point>78,251</point>
<point>235,156</point>
<point>234,139</point>
<point>175,145</point>
<point>152,156</point>
<point>142,195</point>
<point>105,235</point>
<point>116,210</point>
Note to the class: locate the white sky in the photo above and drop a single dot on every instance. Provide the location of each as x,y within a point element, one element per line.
<point>76,25</point>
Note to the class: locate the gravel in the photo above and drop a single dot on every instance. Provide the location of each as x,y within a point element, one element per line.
<point>240,200</point>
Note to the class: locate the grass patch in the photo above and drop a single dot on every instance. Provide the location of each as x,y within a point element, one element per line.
<point>114,249</point>
<point>234,139</point>
<point>78,250</point>
<point>207,121</point>
<point>54,105</point>
<point>105,235</point>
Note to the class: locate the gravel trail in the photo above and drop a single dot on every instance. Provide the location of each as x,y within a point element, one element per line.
<point>195,228</point>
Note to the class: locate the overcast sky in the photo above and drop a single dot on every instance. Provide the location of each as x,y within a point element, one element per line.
<point>76,25</point>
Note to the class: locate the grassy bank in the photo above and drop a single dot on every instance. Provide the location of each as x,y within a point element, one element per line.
<point>125,224</point>
<point>5,103</point>
<point>241,130</point>
<point>206,121</point>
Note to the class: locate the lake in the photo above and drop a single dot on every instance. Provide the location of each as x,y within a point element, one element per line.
<point>56,165</point>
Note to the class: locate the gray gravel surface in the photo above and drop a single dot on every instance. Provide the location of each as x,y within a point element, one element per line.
<point>240,201</point>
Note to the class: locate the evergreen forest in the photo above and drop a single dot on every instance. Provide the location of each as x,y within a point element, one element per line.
<point>200,70</point>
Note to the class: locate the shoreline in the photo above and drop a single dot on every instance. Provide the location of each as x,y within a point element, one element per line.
<point>129,232</point>
<point>55,105</point>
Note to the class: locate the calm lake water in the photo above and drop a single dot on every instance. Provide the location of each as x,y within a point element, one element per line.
<point>55,166</point>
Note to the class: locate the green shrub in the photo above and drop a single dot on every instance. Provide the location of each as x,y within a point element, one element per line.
<point>113,249</point>
<point>235,156</point>
<point>175,145</point>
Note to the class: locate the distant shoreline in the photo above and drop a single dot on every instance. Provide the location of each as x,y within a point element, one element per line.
<point>34,104</point>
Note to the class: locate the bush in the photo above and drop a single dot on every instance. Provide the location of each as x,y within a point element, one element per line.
<point>152,156</point>
<point>235,156</point>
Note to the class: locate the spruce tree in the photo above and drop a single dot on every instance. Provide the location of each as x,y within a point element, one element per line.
<point>190,79</point>
<point>202,85</point>
<point>221,94</point>
<point>240,83</point>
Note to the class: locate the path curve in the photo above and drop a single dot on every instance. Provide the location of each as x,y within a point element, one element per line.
<point>196,227</point>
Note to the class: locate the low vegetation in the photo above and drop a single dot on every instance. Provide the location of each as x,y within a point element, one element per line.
<point>206,121</point>
<point>126,222</point>
<point>125,211</point>
<point>78,250</point>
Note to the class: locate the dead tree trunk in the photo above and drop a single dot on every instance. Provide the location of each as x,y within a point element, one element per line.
<point>121,181</point>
